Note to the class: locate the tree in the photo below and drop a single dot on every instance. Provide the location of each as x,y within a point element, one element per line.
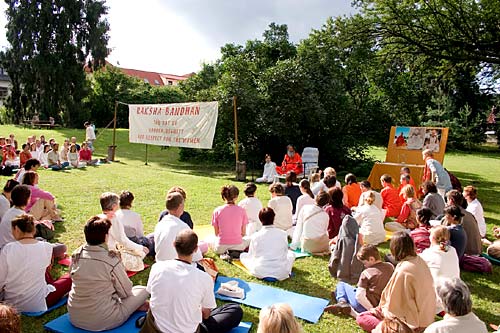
<point>50,43</point>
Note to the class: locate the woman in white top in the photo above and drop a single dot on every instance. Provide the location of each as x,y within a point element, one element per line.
<point>475,208</point>
<point>73,157</point>
<point>24,264</point>
<point>282,206</point>
<point>311,232</point>
<point>441,258</point>
<point>268,255</point>
<point>269,171</point>
<point>370,220</point>
<point>252,206</point>
<point>307,197</point>
<point>44,160</point>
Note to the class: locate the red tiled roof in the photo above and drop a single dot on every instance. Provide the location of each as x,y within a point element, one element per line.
<point>154,78</point>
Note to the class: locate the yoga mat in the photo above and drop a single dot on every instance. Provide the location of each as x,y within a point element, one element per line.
<point>63,325</point>
<point>61,302</point>
<point>67,262</point>
<point>204,231</point>
<point>299,254</point>
<point>259,296</point>
<point>494,261</point>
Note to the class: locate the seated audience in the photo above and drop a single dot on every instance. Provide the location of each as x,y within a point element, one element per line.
<point>5,201</point>
<point>10,320</point>
<point>268,255</point>
<point>85,155</point>
<point>20,197</point>
<point>351,190</point>
<point>336,211</point>
<point>282,207</point>
<point>35,153</point>
<point>458,237</point>
<point>306,198</point>
<point>24,264</point>
<point>407,295</point>
<point>269,171</point>
<point>132,222</point>
<point>54,159</point>
<point>190,305</point>
<point>404,180</point>
<point>344,264</point>
<point>73,142</point>
<point>31,165</point>
<point>392,325</point>
<point>252,206</point>
<point>407,218</point>
<point>74,159</point>
<point>291,162</point>
<point>371,283</point>
<point>230,223</point>
<point>10,158</point>
<point>321,186</point>
<point>185,216</point>
<point>475,208</point>
<point>474,244</point>
<point>366,188</point>
<point>390,197</point>
<point>494,249</point>
<point>459,318</point>
<point>24,155</point>
<point>421,234</point>
<point>102,297</point>
<point>432,199</point>
<point>370,220</point>
<point>278,318</point>
<point>44,156</point>
<point>311,231</point>
<point>170,225</point>
<point>42,204</point>
<point>292,190</point>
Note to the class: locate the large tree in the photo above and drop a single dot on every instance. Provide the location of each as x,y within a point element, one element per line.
<point>50,43</point>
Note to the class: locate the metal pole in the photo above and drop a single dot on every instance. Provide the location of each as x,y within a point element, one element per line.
<point>235,128</point>
<point>146,155</point>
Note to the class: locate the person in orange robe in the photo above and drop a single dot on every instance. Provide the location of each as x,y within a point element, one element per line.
<point>291,162</point>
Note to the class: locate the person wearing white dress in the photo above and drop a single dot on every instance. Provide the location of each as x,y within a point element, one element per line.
<point>268,254</point>
<point>311,231</point>
<point>475,208</point>
<point>269,171</point>
<point>307,197</point>
<point>252,206</point>
<point>282,206</point>
<point>371,220</point>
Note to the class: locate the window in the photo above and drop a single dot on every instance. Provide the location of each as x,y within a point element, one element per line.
<point>170,82</point>
<point>146,80</point>
<point>157,83</point>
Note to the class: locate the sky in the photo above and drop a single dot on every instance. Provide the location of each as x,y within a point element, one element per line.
<point>177,36</point>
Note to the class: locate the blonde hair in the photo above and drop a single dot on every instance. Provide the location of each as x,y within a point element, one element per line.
<point>330,171</point>
<point>370,198</point>
<point>441,235</point>
<point>409,191</point>
<point>278,318</point>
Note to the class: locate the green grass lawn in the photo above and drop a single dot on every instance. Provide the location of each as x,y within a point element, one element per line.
<point>78,191</point>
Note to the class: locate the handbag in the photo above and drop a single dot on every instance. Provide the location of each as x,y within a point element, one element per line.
<point>130,259</point>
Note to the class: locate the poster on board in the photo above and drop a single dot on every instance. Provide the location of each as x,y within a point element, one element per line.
<point>417,138</point>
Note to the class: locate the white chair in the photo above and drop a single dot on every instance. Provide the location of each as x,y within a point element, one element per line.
<point>310,157</point>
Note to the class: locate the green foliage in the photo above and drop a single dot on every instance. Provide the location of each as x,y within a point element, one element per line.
<point>50,42</point>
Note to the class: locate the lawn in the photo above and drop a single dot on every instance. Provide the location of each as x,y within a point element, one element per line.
<point>78,191</point>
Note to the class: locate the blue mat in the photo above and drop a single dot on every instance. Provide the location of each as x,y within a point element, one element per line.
<point>63,325</point>
<point>259,296</point>
<point>61,302</point>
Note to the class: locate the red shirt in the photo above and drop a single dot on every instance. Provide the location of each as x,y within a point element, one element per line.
<point>85,154</point>
<point>23,157</point>
<point>392,203</point>
<point>335,215</point>
<point>290,164</point>
<point>421,239</point>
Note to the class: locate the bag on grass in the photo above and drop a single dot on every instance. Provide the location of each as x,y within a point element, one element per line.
<point>130,259</point>
<point>475,264</point>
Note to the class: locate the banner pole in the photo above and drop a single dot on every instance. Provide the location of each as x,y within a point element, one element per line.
<point>235,128</point>
<point>146,155</point>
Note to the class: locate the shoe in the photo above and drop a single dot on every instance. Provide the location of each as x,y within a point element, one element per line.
<point>339,308</point>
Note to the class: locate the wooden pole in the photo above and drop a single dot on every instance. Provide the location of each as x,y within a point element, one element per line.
<point>146,155</point>
<point>114,124</point>
<point>235,128</point>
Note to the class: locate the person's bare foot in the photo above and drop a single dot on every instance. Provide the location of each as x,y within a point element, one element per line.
<point>144,307</point>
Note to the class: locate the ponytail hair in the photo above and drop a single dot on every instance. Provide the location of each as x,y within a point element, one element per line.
<point>229,193</point>
<point>370,198</point>
<point>441,236</point>
<point>304,183</point>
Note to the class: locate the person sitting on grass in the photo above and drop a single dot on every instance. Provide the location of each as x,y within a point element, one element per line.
<point>432,199</point>
<point>336,211</point>
<point>459,318</point>
<point>278,318</point>
<point>307,197</point>
<point>31,165</point>
<point>494,249</point>
<point>311,231</point>
<point>25,263</point>
<point>458,237</point>
<point>407,217</point>
<point>44,156</point>
<point>268,255</point>
<point>42,204</point>
<point>169,227</point>
<point>185,216</point>
<point>352,301</point>
<point>408,295</point>
<point>132,222</point>
<point>421,234</point>
<point>366,188</point>
<point>351,191</point>
<point>475,208</point>
<point>230,223</point>
<point>252,206</point>
<point>24,155</point>
<point>10,320</point>
<point>190,305</point>
<point>292,190</point>
<point>54,159</point>
<point>85,155</point>
<point>370,220</point>
<point>282,207</point>
<point>102,297</point>
<point>321,185</point>
<point>269,171</point>
<point>73,157</point>
<point>390,196</point>
<point>5,201</point>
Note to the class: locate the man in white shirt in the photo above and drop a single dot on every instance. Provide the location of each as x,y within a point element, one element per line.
<point>167,229</point>
<point>190,305</point>
<point>89,135</point>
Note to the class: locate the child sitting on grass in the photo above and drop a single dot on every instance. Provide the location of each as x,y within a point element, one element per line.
<point>351,300</point>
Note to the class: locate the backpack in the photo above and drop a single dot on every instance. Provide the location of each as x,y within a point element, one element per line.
<point>475,264</point>
<point>455,183</point>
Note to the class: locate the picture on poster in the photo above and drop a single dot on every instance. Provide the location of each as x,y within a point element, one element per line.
<point>432,139</point>
<point>401,137</point>
<point>416,138</point>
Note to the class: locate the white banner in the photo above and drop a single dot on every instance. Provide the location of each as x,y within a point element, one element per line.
<point>190,125</point>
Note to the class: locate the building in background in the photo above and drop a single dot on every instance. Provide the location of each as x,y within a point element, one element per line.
<point>5,86</point>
